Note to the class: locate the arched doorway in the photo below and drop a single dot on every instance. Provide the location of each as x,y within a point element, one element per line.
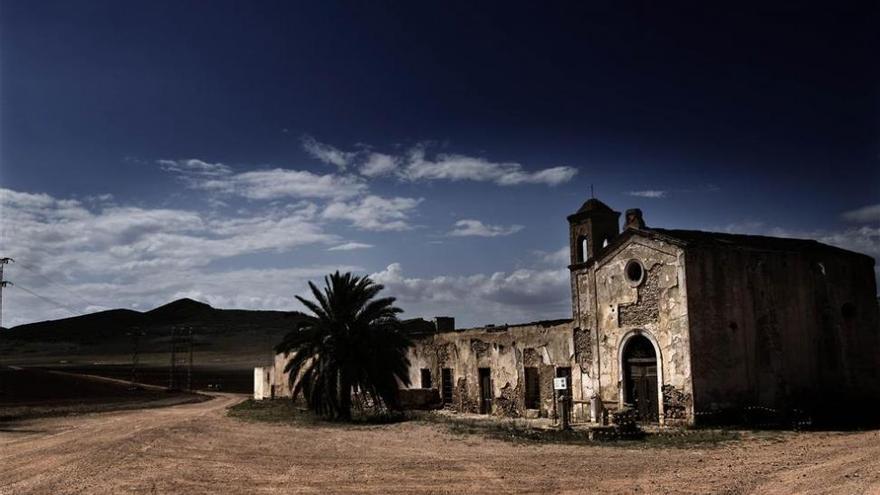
<point>640,377</point>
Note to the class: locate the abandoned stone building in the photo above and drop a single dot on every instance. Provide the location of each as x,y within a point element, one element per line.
<point>676,324</point>
<point>679,325</point>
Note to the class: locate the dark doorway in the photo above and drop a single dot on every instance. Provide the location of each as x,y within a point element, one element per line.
<point>533,388</point>
<point>640,378</point>
<point>564,372</point>
<point>446,385</point>
<point>485,390</point>
<point>426,378</point>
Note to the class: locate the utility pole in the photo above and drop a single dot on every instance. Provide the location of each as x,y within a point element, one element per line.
<point>173,360</point>
<point>135,358</point>
<point>3,283</point>
<point>189,371</point>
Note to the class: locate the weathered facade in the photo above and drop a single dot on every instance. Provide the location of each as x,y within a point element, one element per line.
<point>679,325</point>
<point>483,370</point>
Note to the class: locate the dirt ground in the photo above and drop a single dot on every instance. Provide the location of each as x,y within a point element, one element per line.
<point>28,393</point>
<point>196,448</point>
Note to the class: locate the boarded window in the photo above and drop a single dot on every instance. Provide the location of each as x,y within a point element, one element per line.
<point>533,388</point>
<point>426,378</point>
<point>446,378</point>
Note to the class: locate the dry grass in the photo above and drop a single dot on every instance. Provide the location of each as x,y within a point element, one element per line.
<point>510,430</point>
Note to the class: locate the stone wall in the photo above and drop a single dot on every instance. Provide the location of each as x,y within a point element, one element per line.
<point>773,329</point>
<point>610,309</point>
<point>506,351</point>
<point>281,379</point>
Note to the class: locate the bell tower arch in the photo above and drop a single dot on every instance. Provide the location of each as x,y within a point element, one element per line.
<point>590,229</point>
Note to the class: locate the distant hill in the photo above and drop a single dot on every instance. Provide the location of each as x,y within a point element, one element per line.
<point>233,338</point>
<point>103,326</point>
<point>180,310</point>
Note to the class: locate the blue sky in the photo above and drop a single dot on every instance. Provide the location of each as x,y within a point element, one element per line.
<point>231,151</point>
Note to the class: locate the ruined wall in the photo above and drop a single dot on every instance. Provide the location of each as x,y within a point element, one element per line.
<point>506,351</point>
<point>281,380</point>
<point>655,307</point>
<point>584,333</point>
<point>782,330</point>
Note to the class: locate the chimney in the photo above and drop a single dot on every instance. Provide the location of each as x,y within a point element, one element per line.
<point>634,219</point>
<point>444,323</point>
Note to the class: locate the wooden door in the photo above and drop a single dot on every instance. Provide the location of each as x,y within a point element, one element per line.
<point>640,378</point>
<point>642,385</point>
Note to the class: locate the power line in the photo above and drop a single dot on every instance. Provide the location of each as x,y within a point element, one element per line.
<point>32,269</point>
<point>47,299</point>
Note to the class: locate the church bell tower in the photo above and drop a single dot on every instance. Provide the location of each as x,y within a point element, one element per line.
<point>591,228</point>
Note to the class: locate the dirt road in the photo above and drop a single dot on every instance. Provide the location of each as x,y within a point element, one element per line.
<point>195,448</point>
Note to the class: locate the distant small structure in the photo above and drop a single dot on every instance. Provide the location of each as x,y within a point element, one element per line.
<point>264,382</point>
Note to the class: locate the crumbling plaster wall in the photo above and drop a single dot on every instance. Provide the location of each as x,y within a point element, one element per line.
<point>263,383</point>
<point>657,308</point>
<point>584,333</point>
<point>769,329</point>
<point>282,380</point>
<point>506,351</point>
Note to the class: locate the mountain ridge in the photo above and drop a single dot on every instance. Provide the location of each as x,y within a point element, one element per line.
<point>113,323</point>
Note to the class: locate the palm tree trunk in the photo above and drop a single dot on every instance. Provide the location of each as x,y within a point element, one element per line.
<point>344,396</point>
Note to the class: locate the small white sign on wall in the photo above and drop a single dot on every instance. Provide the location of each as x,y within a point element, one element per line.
<point>560,383</point>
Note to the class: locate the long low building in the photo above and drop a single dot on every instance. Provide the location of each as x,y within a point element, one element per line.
<point>678,325</point>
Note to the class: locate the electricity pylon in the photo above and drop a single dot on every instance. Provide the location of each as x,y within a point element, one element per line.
<point>3,283</point>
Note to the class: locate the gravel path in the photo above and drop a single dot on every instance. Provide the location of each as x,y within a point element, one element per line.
<point>195,448</point>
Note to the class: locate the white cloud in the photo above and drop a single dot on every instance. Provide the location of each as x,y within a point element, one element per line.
<point>866,214</point>
<point>374,212</point>
<point>514,297</point>
<point>649,193</point>
<point>864,240</point>
<point>560,257</point>
<point>350,246</point>
<point>378,164</point>
<point>327,154</point>
<point>552,176</point>
<point>468,227</point>
<point>194,166</point>
<point>347,195</point>
<point>127,252</point>
<point>266,184</point>
<point>269,288</point>
<point>120,238</point>
<point>460,167</point>
<point>414,165</point>
<point>100,198</point>
<point>283,183</point>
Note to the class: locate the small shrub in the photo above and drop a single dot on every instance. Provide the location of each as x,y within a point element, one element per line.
<point>288,411</point>
<point>625,425</point>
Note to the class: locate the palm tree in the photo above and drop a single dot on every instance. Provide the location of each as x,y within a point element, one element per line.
<point>350,343</point>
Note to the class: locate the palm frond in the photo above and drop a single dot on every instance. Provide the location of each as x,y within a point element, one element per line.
<point>351,344</point>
